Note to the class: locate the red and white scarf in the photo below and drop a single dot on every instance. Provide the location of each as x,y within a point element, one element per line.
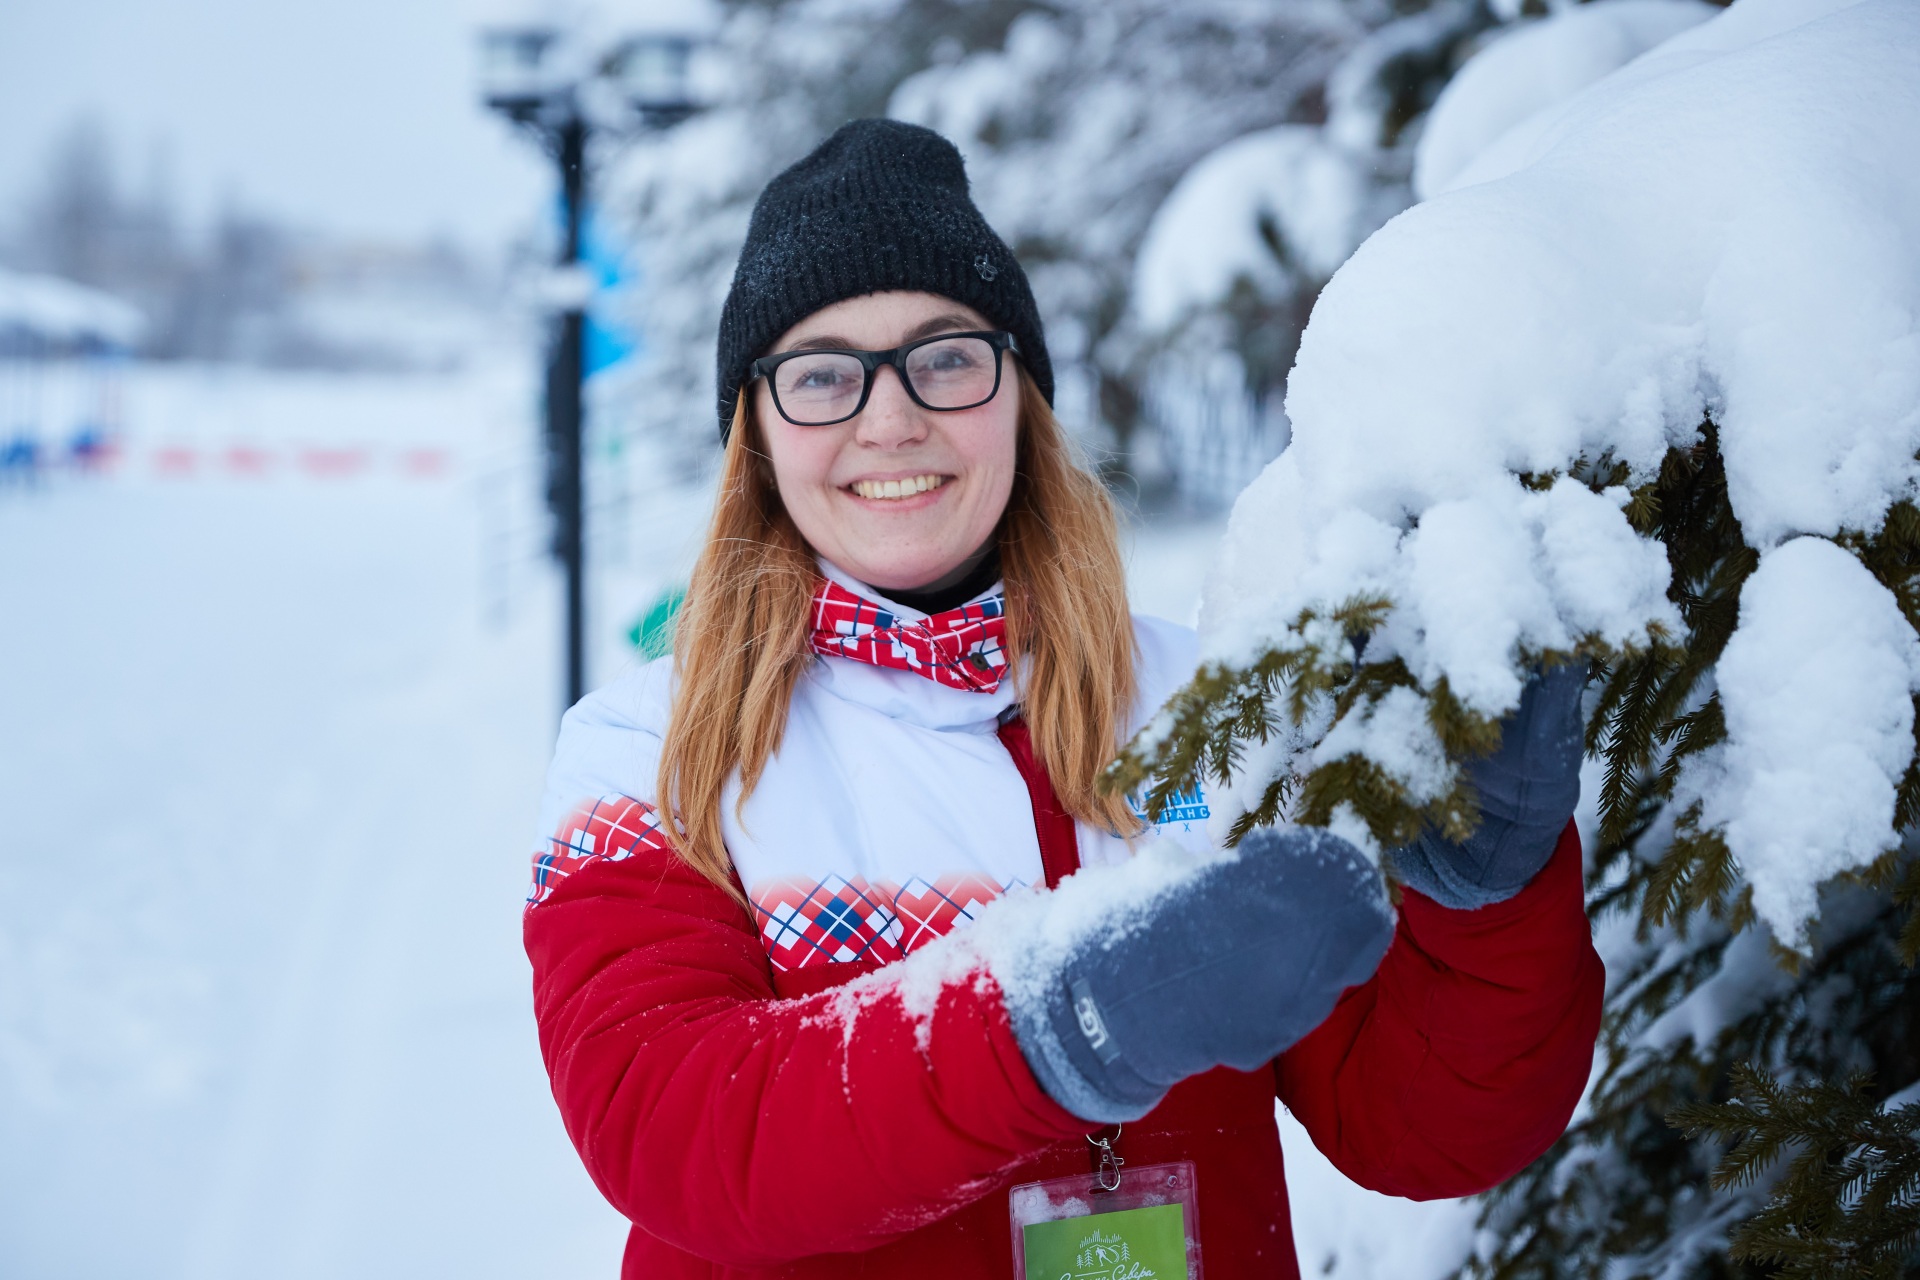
<point>961,648</point>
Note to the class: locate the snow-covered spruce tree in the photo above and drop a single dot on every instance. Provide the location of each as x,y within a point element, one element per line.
<point>1639,388</point>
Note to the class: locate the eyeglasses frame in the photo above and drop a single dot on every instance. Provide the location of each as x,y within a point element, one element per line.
<point>870,361</point>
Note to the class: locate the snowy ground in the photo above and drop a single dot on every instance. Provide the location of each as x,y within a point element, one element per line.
<point>271,737</point>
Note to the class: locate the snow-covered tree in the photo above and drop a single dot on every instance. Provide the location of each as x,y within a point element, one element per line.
<point>1233,260</point>
<point>1638,387</point>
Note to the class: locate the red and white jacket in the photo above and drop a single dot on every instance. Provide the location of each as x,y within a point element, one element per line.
<point>752,1122</point>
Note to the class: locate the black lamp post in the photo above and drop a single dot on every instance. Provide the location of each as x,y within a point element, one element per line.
<point>564,96</point>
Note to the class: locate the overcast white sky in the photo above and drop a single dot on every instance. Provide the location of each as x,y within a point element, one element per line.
<point>350,115</point>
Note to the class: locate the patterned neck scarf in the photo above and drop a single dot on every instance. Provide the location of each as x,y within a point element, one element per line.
<point>960,648</point>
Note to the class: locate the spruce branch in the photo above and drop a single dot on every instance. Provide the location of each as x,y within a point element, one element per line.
<point>1848,1203</point>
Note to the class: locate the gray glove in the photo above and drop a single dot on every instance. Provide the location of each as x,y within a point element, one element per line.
<point>1117,999</point>
<point>1528,789</point>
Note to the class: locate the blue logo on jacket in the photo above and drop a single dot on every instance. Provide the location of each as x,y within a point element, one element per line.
<point>1182,806</point>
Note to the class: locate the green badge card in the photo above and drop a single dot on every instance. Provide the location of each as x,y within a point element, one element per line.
<point>1145,1229</point>
<point>1133,1244</point>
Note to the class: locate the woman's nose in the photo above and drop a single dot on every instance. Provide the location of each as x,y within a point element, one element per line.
<point>891,418</point>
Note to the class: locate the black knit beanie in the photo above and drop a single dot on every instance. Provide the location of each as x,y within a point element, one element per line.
<point>880,205</point>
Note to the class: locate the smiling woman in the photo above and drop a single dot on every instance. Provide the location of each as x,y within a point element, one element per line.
<point>823,987</point>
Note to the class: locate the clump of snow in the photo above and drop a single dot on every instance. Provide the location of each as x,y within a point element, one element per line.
<point>1032,1204</point>
<point>1023,940</point>
<point>1347,823</point>
<point>1490,571</point>
<point>1536,66</point>
<point>1280,191</point>
<point>1815,685</point>
<point>1730,224</point>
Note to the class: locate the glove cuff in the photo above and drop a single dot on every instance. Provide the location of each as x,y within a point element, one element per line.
<point>1057,1053</point>
<point>1430,870</point>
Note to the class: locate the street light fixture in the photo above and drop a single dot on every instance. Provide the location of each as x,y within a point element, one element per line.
<point>516,72</point>
<point>653,72</point>
<point>543,80</point>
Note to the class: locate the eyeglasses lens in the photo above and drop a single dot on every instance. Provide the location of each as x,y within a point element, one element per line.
<point>818,388</point>
<point>954,373</point>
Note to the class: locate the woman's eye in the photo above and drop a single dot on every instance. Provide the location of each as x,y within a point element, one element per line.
<point>820,379</point>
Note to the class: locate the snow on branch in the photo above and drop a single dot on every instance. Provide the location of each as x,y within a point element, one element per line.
<point>1641,388</point>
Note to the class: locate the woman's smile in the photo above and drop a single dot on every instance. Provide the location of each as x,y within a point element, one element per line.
<point>893,492</point>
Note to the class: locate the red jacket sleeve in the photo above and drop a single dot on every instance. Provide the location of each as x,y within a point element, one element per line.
<point>751,1130</point>
<point>1462,1059</point>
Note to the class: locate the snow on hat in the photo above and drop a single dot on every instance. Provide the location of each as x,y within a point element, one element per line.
<point>879,205</point>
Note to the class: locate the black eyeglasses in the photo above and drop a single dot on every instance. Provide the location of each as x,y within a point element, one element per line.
<point>946,373</point>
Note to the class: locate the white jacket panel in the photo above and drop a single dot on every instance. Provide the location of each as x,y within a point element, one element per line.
<point>891,811</point>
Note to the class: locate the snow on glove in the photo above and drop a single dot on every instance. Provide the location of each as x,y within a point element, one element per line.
<point>1528,789</point>
<point>1122,990</point>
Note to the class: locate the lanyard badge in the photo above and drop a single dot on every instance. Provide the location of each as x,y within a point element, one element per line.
<point>1113,1223</point>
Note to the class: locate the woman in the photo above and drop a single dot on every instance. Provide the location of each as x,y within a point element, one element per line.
<point>905,658</point>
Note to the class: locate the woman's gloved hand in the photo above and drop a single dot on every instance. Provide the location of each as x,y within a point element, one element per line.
<point>1117,995</point>
<point>1528,789</point>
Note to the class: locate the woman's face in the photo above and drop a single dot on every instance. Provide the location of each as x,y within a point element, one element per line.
<point>956,469</point>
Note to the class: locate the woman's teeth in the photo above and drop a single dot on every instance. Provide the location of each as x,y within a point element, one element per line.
<point>896,488</point>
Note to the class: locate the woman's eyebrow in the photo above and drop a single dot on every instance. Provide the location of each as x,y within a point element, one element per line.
<point>938,324</point>
<point>832,341</point>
